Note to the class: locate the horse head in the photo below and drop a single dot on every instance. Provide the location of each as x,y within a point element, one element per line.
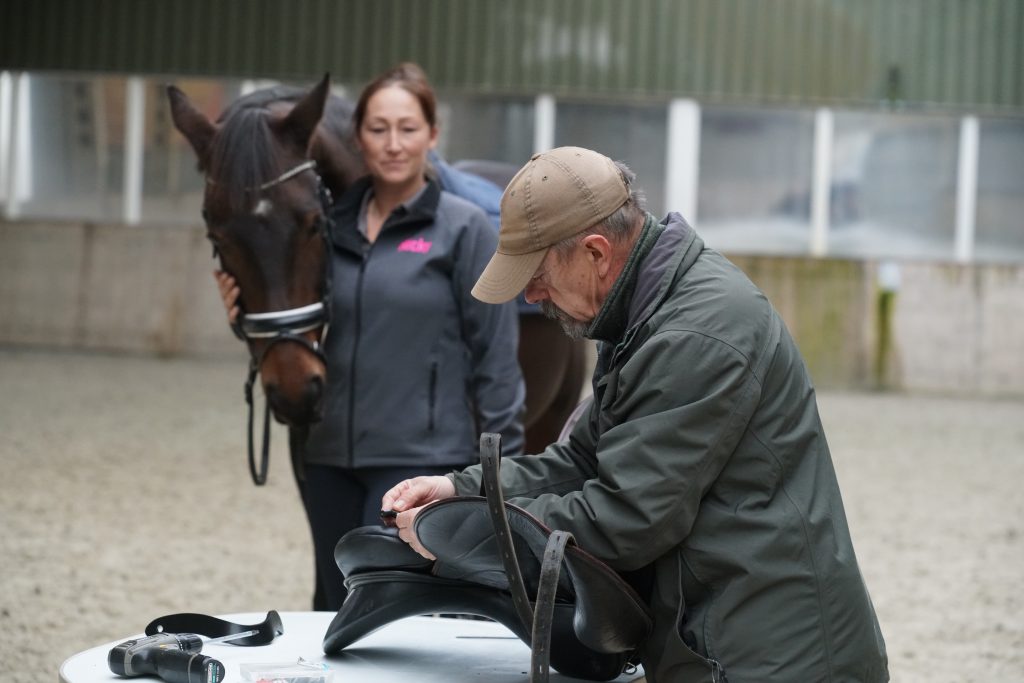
<point>265,209</point>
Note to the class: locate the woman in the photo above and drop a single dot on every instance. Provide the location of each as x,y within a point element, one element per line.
<point>416,367</point>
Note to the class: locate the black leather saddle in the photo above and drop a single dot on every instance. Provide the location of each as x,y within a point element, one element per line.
<point>494,560</point>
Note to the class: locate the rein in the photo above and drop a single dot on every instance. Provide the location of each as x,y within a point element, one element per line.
<point>284,326</point>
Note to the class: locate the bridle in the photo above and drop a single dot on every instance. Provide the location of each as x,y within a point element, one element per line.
<point>286,325</point>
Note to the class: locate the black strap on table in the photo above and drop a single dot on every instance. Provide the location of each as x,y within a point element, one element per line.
<point>212,627</point>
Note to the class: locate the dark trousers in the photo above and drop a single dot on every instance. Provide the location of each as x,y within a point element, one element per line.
<point>338,500</point>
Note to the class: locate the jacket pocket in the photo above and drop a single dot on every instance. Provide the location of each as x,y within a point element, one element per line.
<point>432,396</point>
<point>680,650</point>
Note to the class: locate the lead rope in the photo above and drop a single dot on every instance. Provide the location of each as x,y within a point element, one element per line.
<point>258,477</point>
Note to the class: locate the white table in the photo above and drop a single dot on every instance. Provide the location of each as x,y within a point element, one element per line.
<point>418,649</point>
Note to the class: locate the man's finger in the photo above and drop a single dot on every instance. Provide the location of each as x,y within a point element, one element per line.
<point>392,495</point>
<point>410,537</point>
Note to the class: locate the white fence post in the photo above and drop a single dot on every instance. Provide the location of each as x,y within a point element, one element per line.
<point>6,112</point>
<point>821,184</point>
<point>967,189</point>
<point>682,174</point>
<point>134,147</point>
<point>543,123</point>
<point>19,169</point>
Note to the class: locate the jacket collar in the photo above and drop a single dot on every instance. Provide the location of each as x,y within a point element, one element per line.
<point>345,213</point>
<point>662,250</point>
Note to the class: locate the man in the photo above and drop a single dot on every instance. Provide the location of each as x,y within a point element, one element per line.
<point>702,459</point>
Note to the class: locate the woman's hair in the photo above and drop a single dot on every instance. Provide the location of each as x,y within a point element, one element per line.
<point>411,78</point>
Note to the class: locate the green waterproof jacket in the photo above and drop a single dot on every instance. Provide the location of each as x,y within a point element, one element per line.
<point>703,462</point>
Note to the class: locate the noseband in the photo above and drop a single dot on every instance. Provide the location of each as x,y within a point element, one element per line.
<point>287,325</point>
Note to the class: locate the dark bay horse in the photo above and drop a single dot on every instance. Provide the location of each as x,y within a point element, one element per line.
<point>271,160</point>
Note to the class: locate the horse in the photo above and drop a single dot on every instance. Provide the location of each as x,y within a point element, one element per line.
<point>272,160</point>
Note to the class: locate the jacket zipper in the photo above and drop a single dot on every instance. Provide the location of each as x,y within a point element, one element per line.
<point>717,672</point>
<point>432,399</point>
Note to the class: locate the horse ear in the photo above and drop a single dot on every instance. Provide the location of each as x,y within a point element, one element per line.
<point>192,123</point>
<point>302,120</point>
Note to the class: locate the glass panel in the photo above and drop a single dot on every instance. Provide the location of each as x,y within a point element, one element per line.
<point>635,135</point>
<point>999,231</point>
<point>172,187</point>
<point>491,130</point>
<point>894,185</point>
<point>755,180</point>
<point>76,148</point>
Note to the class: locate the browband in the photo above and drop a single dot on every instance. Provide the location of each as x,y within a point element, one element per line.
<point>212,627</point>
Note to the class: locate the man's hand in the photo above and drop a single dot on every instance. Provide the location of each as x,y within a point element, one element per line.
<point>228,293</point>
<point>407,498</point>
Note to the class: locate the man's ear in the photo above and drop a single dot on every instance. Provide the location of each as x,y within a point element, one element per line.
<point>600,252</point>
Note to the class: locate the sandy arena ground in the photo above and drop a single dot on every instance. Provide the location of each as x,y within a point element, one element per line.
<point>125,496</point>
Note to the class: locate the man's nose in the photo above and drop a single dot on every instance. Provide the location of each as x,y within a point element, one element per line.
<point>534,293</point>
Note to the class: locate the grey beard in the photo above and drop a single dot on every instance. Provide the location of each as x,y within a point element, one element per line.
<point>575,329</point>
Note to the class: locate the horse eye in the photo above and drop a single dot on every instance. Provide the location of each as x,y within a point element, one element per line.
<point>214,243</point>
<point>316,226</point>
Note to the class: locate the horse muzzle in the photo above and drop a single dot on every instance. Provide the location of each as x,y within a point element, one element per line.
<point>297,404</point>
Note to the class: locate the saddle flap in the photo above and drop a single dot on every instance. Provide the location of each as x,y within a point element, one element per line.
<point>609,616</point>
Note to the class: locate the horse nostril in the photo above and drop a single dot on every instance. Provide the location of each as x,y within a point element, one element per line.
<point>271,390</point>
<point>315,391</point>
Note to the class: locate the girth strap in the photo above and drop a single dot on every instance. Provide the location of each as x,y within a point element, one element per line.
<point>539,619</point>
<point>490,454</point>
<point>212,627</point>
<point>544,612</point>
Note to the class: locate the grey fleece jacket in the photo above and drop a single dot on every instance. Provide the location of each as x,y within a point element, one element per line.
<point>417,367</point>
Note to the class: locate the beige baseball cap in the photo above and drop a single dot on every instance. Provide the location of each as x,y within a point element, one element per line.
<point>554,196</point>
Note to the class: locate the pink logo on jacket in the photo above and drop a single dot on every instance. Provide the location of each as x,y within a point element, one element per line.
<point>416,246</point>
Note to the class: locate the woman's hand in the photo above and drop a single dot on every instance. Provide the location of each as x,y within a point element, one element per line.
<point>407,498</point>
<point>228,293</point>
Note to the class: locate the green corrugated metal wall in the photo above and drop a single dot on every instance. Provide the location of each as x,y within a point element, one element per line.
<point>948,54</point>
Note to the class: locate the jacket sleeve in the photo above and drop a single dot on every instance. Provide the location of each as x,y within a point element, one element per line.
<point>676,422</point>
<point>491,334</point>
<point>562,467</point>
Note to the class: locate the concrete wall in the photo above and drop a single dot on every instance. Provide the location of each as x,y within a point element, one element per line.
<point>936,327</point>
<point>145,289</point>
<point>916,326</point>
